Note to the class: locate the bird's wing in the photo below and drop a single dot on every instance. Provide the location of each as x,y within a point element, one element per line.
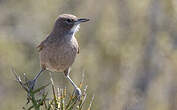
<point>40,46</point>
<point>43,43</point>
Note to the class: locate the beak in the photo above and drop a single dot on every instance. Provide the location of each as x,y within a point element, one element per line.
<point>82,20</point>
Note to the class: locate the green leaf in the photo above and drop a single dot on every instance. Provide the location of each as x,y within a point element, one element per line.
<point>40,88</point>
<point>43,98</point>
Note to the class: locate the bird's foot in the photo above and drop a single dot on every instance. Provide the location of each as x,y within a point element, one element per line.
<point>78,93</point>
<point>30,84</point>
<point>27,85</point>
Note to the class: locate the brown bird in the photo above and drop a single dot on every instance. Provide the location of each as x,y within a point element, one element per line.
<point>58,51</point>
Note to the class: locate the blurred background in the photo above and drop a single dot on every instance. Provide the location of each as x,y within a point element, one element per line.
<point>128,50</point>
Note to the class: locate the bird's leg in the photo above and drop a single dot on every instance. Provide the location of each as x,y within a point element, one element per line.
<point>77,90</point>
<point>31,83</point>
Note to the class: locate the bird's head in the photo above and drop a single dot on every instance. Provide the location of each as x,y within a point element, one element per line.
<point>68,23</point>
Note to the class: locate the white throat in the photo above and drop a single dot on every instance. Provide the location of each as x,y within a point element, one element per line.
<point>74,29</point>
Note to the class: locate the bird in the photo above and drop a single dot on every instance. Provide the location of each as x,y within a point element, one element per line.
<point>58,51</point>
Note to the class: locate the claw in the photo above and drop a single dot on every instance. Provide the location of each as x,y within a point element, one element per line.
<point>78,93</point>
<point>30,84</point>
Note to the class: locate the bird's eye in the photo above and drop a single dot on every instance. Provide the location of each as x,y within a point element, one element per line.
<point>69,20</point>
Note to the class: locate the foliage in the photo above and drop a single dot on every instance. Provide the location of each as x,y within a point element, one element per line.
<point>60,100</point>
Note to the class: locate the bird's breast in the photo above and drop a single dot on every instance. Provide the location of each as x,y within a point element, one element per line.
<point>59,56</point>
